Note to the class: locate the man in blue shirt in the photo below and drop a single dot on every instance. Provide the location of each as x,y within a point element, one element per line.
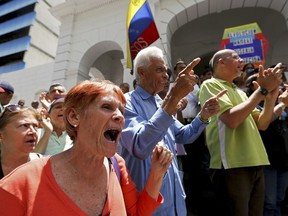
<point>149,121</point>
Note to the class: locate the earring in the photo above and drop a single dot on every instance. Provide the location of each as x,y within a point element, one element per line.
<point>75,125</point>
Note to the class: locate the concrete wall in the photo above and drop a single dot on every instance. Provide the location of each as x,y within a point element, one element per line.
<point>44,37</point>
<point>92,37</point>
<point>29,83</point>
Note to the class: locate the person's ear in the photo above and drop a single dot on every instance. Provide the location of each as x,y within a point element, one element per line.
<point>73,117</point>
<point>220,61</point>
<point>140,72</point>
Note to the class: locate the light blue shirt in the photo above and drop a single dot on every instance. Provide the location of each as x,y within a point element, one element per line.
<point>56,144</point>
<point>146,123</point>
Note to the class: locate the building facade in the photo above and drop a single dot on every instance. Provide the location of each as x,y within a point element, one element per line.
<point>92,38</point>
<point>25,26</point>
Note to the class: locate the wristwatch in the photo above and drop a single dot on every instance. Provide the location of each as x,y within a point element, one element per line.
<point>264,91</point>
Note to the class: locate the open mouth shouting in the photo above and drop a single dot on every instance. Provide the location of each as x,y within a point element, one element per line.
<point>112,135</point>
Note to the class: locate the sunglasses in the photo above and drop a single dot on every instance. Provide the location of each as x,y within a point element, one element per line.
<point>10,108</point>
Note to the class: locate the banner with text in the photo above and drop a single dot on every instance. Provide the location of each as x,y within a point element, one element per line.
<point>248,41</point>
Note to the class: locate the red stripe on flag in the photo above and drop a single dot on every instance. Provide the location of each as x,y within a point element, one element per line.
<point>144,40</point>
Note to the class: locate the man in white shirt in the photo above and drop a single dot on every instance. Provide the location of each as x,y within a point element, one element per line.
<point>195,162</point>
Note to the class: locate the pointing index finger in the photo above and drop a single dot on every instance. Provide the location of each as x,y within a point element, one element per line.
<point>190,66</point>
<point>220,94</point>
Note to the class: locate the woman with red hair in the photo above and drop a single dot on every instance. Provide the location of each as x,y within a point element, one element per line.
<point>83,180</point>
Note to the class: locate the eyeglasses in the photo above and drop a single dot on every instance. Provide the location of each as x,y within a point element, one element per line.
<point>11,108</point>
<point>236,57</point>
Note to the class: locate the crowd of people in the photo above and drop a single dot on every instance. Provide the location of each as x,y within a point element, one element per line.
<point>177,144</point>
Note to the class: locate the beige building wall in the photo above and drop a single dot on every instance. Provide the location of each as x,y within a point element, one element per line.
<point>92,37</point>
<point>44,37</point>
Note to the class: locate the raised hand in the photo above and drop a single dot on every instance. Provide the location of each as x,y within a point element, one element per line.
<point>181,105</point>
<point>45,121</point>
<point>181,87</point>
<point>185,80</point>
<point>283,98</point>
<point>161,159</point>
<point>211,106</point>
<point>270,78</point>
<point>43,100</point>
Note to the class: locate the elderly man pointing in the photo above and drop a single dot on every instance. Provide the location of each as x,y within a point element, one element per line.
<point>149,120</point>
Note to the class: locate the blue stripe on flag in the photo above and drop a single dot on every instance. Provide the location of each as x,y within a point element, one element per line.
<point>142,19</point>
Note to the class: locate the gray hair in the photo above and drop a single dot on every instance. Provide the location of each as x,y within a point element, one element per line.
<point>56,85</point>
<point>144,57</point>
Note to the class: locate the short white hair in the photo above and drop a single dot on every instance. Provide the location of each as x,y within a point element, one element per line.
<point>144,57</point>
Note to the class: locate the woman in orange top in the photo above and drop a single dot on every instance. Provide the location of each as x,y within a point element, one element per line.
<point>82,180</point>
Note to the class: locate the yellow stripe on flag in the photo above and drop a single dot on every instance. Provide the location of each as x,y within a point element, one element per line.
<point>132,10</point>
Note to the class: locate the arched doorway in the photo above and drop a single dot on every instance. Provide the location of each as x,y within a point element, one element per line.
<point>103,61</point>
<point>201,37</point>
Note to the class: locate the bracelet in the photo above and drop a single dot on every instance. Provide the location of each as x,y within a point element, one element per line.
<point>206,121</point>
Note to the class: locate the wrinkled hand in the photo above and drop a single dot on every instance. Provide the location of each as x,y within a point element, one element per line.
<point>283,98</point>
<point>45,121</point>
<point>43,100</point>
<point>161,159</point>
<point>185,81</point>
<point>182,104</point>
<point>270,78</point>
<point>211,106</point>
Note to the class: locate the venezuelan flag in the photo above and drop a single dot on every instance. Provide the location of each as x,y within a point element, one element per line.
<point>141,29</point>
